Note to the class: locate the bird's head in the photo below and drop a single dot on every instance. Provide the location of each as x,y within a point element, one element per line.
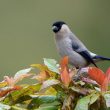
<point>60,26</point>
<point>57,26</point>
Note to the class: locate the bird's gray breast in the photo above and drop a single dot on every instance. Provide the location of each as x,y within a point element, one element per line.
<point>64,46</point>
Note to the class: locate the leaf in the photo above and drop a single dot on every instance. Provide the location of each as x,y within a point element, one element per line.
<point>89,81</point>
<point>39,100</point>
<point>10,81</point>
<point>96,74</point>
<point>67,104</point>
<point>85,102</point>
<point>44,68</point>
<point>106,80</point>
<point>51,91</point>
<point>48,108</point>
<point>41,76</point>
<point>101,78</point>
<point>16,95</point>
<point>104,85</point>
<point>82,103</point>
<point>6,90</point>
<point>39,66</point>
<point>108,74</point>
<point>64,62</point>
<point>49,82</point>
<point>23,73</point>
<point>17,108</point>
<point>3,84</point>
<point>65,77</point>
<point>94,97</point>
<point>4,107</point>
<point>107,98</point>
<point>52,65</point>
<point>80,90</point>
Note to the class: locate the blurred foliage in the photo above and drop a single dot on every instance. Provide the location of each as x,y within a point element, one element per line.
<point>56,88</point>
<point>25,29</point>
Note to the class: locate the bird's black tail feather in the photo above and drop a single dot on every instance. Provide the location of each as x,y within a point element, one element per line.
<point>101,57</point>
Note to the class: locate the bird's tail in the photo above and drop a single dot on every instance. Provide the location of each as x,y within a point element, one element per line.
<point>101,58</point>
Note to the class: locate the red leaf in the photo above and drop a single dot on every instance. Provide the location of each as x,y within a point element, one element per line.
<point>16,87</point>
<point>104,85</point>
<point>4,92</point>
<point>64,62</point>
<point>106,81</point>
<point>65,77</point>
<point>97,75</point>
<point>108,74</point>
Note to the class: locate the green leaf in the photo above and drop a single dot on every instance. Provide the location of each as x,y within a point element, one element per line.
<point>84,102</point>
<point>17,108</point>
<point>94,97</point>
<point>107,98</point>
<point>4,107</point>
<point>39,100</point>
<point>16,96</point>
<point>47,108</point>
<point>49,82</point>
<point>39,66</point>
<point>3,84</point>
<point>51,64</point>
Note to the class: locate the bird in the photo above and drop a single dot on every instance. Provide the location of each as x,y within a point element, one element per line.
<point>68,44</point>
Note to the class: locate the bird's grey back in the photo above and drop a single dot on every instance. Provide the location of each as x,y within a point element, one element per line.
<point>77,45</point>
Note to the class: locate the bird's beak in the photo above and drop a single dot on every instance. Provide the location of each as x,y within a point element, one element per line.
<point>55,29</point>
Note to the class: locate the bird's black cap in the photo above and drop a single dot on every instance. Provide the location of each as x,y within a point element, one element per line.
<point>57,26</point>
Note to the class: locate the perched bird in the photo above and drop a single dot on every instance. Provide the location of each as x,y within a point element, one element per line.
<point>69,45</point>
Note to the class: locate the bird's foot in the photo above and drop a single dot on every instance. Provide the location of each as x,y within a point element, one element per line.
<point>82,72</point>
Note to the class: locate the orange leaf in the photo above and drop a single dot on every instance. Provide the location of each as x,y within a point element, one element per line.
<point>104,86</point>
<point>16,87</point>
<point>108,74</point>
<point>97,75</point>
<point>41,76</point>
<point>64,62</point>
<point>65,77</point>
<point>5,92</point>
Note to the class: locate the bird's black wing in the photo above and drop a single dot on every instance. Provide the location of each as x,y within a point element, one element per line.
<point>87,56</point>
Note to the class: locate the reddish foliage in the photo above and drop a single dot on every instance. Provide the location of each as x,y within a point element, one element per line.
<point>5,92</point>
<point>99,76</point>
<point>65,77</point>
<point>64,62</point>
<point>96,74</point>
<point>64,71</point>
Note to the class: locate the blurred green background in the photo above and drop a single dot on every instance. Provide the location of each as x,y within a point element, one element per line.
<point>26,36</point>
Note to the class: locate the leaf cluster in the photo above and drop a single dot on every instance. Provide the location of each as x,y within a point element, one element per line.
<point>56,88</point>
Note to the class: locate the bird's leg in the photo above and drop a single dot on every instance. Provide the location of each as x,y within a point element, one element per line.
<point>82,72</point>
<point>77,75</point>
